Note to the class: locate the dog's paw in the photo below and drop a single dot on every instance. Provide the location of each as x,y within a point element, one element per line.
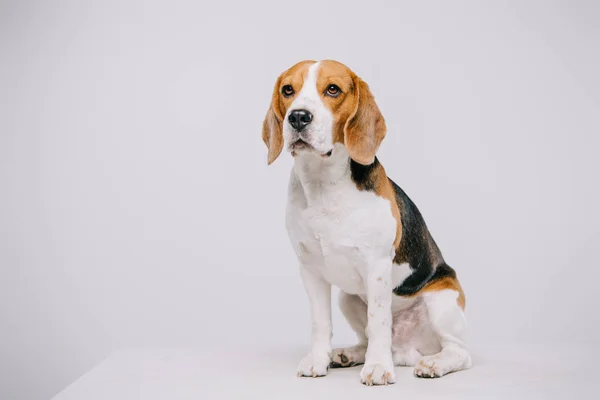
<point>348,357</point>
<point>378,374</point>
<point>314,365</point>
<point>429,367</point>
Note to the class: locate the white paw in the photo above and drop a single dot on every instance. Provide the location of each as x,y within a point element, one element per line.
<point>314,365</point>
<point>378,374</point>
<point>429,367</point>
<point>348,357</point>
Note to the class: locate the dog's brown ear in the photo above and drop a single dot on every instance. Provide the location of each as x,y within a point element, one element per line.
<point>272,126</point>
<point>365,129</point>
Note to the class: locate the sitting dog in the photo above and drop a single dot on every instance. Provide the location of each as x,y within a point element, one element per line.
<point>353,227</point>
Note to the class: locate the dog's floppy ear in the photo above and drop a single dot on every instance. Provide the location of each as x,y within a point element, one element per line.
<point>365,128</point>
<point>272,126</point>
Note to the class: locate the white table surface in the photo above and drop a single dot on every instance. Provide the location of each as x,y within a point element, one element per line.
<point>506,372</point>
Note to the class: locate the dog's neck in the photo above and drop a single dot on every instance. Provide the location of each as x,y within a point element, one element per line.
<point>317,173</point>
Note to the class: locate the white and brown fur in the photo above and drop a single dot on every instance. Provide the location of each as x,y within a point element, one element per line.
<point>353,227</point>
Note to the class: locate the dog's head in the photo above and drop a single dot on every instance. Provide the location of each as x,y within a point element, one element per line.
<point>318,104</point>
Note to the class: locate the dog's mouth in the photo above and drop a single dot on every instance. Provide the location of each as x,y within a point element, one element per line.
<point>301,145</point>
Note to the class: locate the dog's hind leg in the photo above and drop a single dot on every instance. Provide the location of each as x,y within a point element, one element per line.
<point>355,311</point>
<point>448,322</point>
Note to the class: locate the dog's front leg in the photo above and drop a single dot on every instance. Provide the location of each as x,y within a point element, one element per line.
<point>379,366</point>
<point>317,361</point>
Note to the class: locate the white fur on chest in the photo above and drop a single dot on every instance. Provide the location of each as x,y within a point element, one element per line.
<point>335,228</point>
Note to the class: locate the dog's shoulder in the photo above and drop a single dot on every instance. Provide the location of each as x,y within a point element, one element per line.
<point>414,245</point>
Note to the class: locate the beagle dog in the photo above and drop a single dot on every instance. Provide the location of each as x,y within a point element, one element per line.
<point>353,227</point>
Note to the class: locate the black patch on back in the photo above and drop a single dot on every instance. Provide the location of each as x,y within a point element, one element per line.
<point>417,248</point>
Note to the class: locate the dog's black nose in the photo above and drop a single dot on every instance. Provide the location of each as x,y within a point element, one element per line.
<point>299,119</point>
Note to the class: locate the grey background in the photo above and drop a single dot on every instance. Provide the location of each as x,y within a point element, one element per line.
<point>137,210</point>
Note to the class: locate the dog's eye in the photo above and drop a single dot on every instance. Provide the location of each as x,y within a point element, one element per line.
<point>333,91</point>
<point>287,90</point>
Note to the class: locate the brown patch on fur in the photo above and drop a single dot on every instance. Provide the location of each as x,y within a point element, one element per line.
<point>365,129</point>
<point>358,123</point>
<point>375,179</point>
<point>273,124</point>
<point>385,190</point>
<point>344,105</point>
<point>446,283</point>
